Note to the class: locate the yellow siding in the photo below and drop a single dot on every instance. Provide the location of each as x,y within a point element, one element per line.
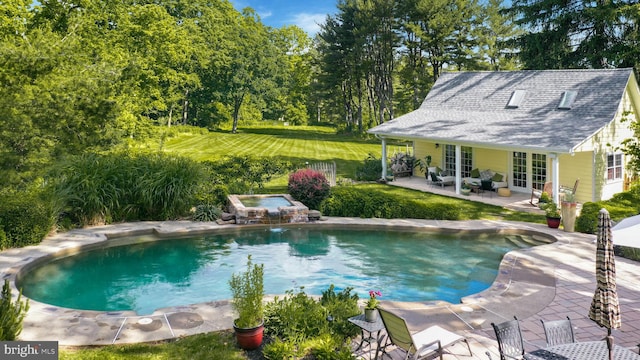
<point>424,148</point>
<point>576,167</point>
<point>495,160</point>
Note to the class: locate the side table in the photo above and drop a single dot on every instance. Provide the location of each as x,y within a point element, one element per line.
<point>369,328</point>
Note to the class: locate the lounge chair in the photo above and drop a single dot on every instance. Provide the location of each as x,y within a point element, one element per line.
<point>535,193</point>
<point>558,332</point>
<point>419,345</point>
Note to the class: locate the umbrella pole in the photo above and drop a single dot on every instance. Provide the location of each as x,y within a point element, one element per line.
<point>610,344</point>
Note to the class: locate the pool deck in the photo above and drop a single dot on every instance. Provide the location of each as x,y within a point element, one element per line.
<point>544,282</point>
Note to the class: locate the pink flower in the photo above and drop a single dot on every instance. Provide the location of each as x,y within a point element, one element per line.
<point>372,303</point>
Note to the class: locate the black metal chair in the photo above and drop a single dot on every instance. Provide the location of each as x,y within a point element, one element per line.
<point>558,332</point>
<point>510,341</point>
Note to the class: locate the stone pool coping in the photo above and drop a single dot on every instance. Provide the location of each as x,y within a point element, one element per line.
<point>525,284</point>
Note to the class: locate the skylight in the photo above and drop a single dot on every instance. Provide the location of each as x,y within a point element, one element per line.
<point>516,99</point>
<point>568,97</point>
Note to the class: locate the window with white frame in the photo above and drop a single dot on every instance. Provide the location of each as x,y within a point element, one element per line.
<point>450,160</point>
<point>614,167</point>
<point>538,170</point>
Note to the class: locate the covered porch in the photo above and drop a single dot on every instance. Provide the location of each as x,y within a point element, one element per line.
<point>518,201</point>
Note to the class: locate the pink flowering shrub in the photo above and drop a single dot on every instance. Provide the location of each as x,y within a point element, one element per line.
<point>309,187</point>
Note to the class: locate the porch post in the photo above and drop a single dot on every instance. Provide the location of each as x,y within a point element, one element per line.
<point>458,169</point>
<point>555,177</point>
<point>384,159</point>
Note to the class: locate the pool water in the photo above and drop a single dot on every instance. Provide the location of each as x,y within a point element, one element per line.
<point>403,265</point>
<point>269,202</point>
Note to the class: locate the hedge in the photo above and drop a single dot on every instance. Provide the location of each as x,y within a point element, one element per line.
<point>369,203</point>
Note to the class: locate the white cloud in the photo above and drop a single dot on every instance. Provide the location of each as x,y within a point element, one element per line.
<point>265,14</point>
<point>309,22</point>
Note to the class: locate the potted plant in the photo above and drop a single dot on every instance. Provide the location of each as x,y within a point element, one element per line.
<point>553,215</point>
<point>568,205</point>
<point>370,312</point>
<point>247,290</point>
<point>544,199</point>
<point>424,165</point>
<point>465,189</point>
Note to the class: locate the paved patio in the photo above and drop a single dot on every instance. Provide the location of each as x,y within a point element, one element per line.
<point>545,282</point>
<point>517,201</point>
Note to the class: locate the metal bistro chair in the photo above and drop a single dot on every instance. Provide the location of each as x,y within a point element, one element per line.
<point>558,332</point>
<point>509,337</point>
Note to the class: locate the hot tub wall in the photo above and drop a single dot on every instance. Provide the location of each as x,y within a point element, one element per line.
<point>296,213</point>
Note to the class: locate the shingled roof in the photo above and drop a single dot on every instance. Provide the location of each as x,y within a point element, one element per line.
<point>470,108</point>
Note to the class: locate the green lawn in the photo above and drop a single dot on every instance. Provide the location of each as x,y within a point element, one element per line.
<point>296,144</point>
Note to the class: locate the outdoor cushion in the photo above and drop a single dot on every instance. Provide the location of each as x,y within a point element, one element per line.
<point>497,177</point>
<point>475,173</point>
<point>486,174</point>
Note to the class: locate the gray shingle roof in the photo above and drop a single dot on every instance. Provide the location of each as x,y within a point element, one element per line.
<point>471,108</point>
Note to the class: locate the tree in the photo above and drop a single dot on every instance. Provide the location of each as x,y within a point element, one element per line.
<point>252,66</point>
<point>576,33</point>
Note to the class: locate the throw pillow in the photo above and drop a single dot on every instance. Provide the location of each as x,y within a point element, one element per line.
<point>486,174</point>
<point>497,177</point>
<point>475,173</point>
<point>438,170</point>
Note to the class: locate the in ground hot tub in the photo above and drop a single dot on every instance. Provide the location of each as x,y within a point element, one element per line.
<point>267,209</point>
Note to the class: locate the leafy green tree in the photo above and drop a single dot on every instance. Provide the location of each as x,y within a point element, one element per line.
<point>576,33</point>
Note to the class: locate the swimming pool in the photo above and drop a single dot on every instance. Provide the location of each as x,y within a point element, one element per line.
<point>144,276</point>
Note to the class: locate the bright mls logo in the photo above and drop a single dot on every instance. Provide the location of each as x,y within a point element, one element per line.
<point>31,350</point>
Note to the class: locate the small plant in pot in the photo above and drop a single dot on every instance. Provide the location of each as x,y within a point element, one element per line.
<point>247,289</point>
<point>553,215</point>
<point>424,165</point>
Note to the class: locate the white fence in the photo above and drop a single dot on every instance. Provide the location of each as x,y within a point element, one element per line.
<point>328,169</point>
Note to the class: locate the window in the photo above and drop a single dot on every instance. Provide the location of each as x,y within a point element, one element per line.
<point>538,170</point>
<point>450,160</point>
<point>614,167</point>
<point>568,97</point>
<point>519,163</point>
<point>516,99</point>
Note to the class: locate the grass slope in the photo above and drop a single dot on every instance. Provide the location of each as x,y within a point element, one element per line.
<point>297,144</point>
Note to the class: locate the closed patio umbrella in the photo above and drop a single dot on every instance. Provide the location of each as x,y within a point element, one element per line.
<point>605,308</point>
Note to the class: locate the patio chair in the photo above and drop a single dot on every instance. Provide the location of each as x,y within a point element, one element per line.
<point>509,337</point>
<point>558,332</point>
<point>435,180</point>
<point>420,345</point>
<point>535,193</point>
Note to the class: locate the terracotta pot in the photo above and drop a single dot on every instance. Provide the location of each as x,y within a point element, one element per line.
<point>553,223</point>
<point>249,338</point>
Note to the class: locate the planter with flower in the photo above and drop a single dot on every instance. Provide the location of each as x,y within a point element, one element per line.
<point>553,215</point>
<point>370,311</point>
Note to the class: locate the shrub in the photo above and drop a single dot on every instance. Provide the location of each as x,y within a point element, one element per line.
<point>99,188</point>
<point>206,212</point>
<point>280,349</point>
<point>300,325</point>
<point>341,306</point>
<point>309,187</point>
<point>371,169</point>
<point>358,202</point>
<point>296,317</point>
<point>243,174</point>
<point>25,219</point>
<point>587,222</point>
<point>11,314</point>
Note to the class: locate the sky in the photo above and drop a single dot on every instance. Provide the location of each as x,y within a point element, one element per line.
<point>306,14</point>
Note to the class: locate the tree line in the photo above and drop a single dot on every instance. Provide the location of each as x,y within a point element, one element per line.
<point>95,74</point>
